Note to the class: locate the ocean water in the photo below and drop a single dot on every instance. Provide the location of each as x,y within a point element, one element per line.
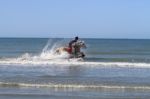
<point>112,69</point>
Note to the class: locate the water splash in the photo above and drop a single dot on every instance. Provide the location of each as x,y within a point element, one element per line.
<point>48,51</point>
<point>47,55</point>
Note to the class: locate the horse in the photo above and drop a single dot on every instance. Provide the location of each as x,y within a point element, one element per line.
<point>76,52</point>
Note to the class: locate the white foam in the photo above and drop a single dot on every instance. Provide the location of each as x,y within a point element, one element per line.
<point>26,60</point>
<point>73,86</point>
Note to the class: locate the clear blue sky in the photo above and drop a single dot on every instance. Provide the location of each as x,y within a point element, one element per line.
<point>67,18</point>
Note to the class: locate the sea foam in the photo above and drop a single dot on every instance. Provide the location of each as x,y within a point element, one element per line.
<point>48,57</point>
<point>74,86</point>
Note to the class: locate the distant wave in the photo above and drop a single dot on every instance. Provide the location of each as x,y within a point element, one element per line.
<point>73,86</point>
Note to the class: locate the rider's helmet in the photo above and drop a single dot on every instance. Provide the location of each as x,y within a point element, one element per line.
<point>76,38</point>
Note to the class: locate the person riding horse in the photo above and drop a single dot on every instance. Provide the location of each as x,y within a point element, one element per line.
<point>71,45</point>
<point>73,49</point>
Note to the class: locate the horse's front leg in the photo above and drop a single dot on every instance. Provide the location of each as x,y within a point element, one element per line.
<point>81,55</point>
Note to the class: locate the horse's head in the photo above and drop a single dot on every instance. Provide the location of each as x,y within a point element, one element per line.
<point>80,44</point>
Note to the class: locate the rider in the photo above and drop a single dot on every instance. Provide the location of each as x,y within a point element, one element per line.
<point>70,44</point>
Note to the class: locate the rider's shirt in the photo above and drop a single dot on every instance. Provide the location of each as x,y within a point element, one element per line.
<point>71,42</point>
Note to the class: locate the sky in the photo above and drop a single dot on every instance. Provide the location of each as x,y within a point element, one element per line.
<point>69,18</point>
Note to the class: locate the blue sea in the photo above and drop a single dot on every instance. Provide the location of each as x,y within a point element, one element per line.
<point>111,69</point>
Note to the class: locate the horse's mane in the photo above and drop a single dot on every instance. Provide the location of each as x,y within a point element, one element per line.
<point>79,43</point>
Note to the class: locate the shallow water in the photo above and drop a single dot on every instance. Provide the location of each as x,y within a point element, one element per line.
<point>112,69</point>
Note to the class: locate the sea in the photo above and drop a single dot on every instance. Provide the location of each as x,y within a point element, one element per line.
<point>111,69</point>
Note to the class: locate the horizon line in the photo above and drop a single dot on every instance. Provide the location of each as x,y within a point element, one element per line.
<point>73,37</point>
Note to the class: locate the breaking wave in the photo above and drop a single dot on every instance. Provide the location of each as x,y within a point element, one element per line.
<point>48,57</point>
<point>73,86</point>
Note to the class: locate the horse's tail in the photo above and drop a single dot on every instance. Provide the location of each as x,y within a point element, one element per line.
<point>57,51</point>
